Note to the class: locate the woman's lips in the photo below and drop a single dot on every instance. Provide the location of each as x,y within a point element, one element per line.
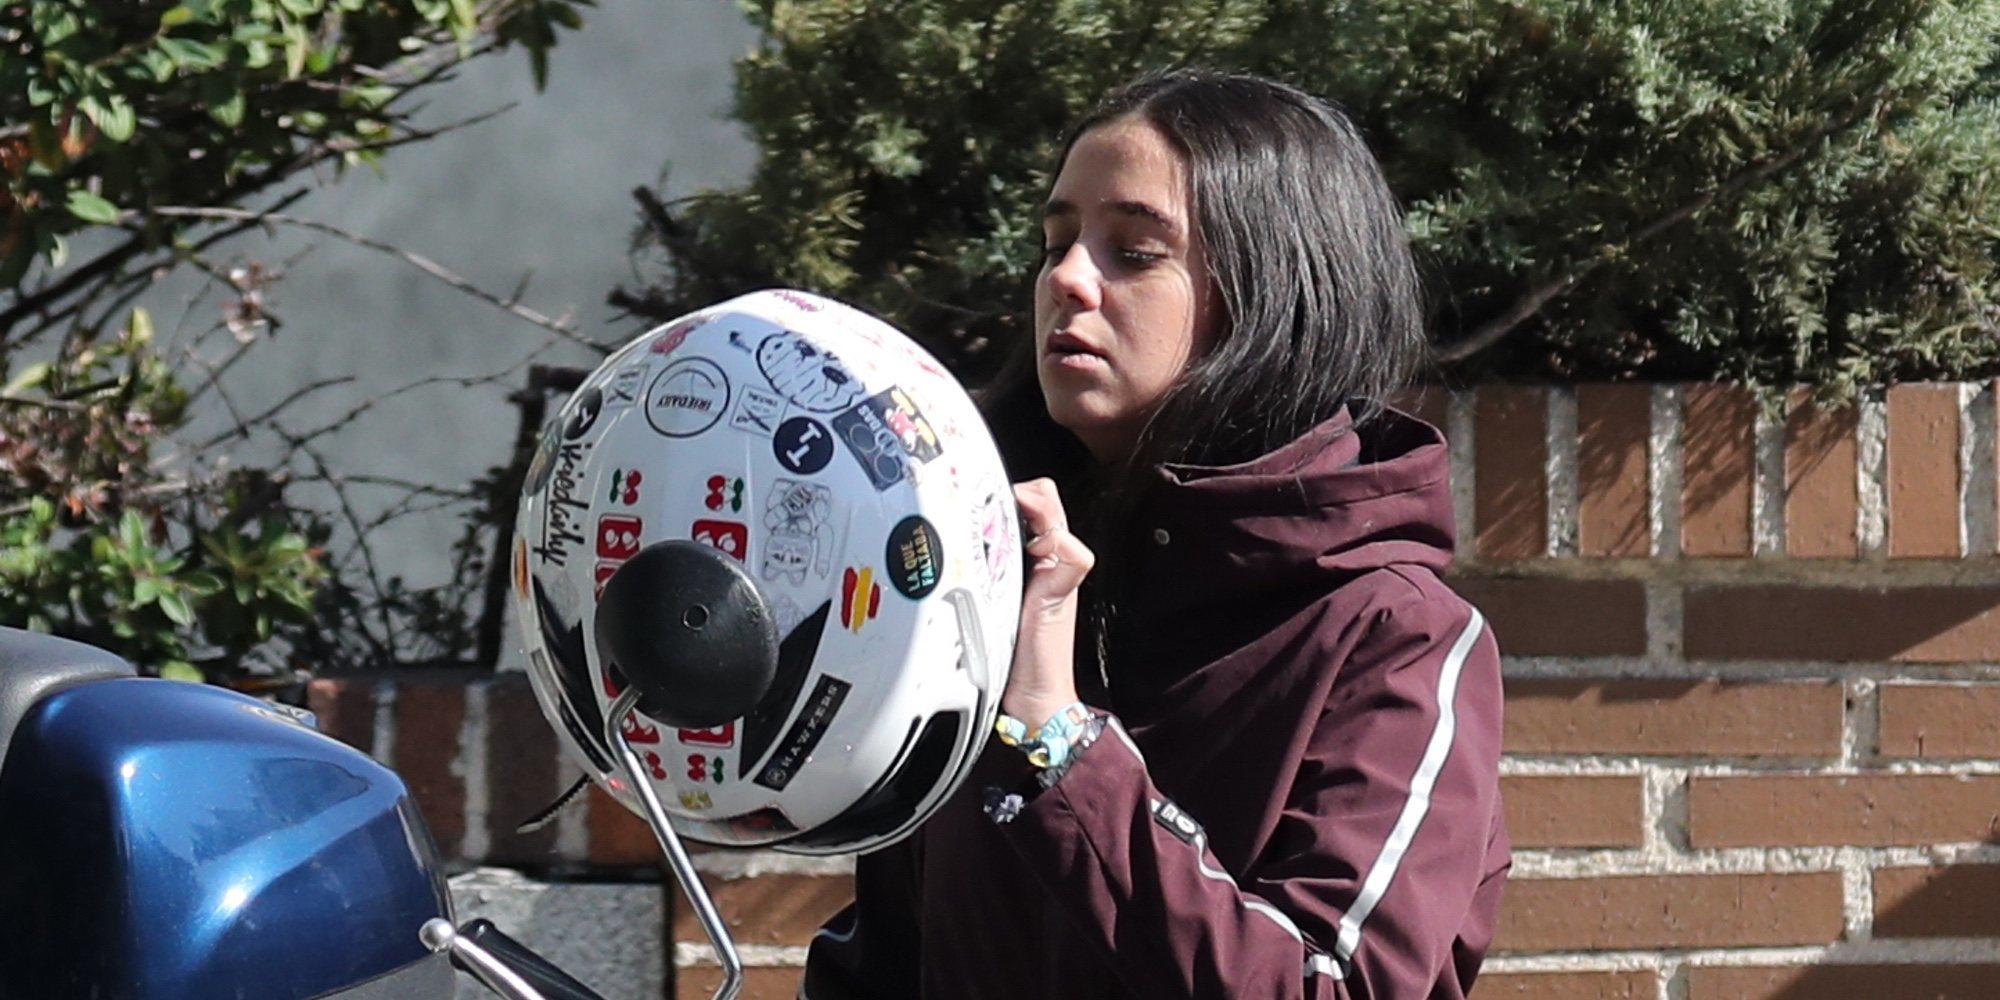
<point>1067,352</point>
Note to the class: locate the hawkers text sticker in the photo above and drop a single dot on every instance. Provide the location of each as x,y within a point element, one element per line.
<point>820,708</point>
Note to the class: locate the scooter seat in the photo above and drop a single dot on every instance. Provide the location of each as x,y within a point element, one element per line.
<point>34,666</point>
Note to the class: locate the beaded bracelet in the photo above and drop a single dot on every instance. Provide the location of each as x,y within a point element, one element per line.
<point>1049,744</point>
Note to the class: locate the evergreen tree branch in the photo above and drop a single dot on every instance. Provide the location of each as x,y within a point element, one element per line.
<point>1535,299</point>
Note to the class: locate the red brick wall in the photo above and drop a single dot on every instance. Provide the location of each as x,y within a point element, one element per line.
<point>1753,676</point>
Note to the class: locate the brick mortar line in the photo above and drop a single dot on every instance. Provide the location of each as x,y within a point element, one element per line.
<point>1718,571</point>
<point>383,742</point>
<point>1871,478</point>
<point>1586,863</point>
<point>1634,668</point>
<point>1714,766</point>
<point>1982,506</point>
<point>1460,443</point>
<point>1663,458</point>
<point>471,769</point>
<point>1560,471</point>
<point>1857,893</point>
<point>732,865</point>
<point>1901,951</point>
<point>1767,483</point>
<point>688,954</point>
<point>1861,723</point>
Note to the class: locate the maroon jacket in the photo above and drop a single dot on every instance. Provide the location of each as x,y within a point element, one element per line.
<point>1298,797</point>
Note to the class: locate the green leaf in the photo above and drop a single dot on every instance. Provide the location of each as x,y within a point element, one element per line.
<point>175,604</point>
<point>202,583</point>
<point>181,670</point>
<point>31,377</point>
<point>145,590</point>
<point>174,17</point>
<point>132,531</point>
<point>190,54</point>
<point>91,208</point>
<point>140,327</point>
<point>302,7</point>
<point>225,99</point>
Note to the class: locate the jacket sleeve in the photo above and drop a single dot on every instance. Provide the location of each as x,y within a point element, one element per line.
<point>1370,872</point>
<point>870,949</point>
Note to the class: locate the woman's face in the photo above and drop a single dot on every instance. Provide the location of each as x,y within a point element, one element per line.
<point>1123,303</point>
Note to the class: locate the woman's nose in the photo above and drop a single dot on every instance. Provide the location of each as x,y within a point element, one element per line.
<point>1074,276</point>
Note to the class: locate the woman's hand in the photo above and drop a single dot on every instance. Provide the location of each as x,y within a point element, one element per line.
<point>1043,679</point>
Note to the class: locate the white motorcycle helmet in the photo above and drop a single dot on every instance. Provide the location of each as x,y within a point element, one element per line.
<point>785,523</point>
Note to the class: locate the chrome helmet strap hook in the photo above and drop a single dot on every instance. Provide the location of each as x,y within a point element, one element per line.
<point>670,842</point>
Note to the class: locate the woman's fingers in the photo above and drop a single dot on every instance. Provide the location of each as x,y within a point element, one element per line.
<point>1060,560</point>
<point>1043,679</point>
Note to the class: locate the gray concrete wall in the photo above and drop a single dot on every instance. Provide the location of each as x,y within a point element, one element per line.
<point>541,190</point>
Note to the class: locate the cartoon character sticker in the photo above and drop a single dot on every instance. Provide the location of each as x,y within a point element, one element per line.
<point>798,531</point>
<point>810,376</point>
<point>883,432</point>
<point>696,800</point>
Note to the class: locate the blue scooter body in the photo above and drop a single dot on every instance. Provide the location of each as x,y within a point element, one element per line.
<point>168,840</point>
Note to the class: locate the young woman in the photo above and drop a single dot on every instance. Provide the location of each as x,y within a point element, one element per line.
<point>1256,754</point>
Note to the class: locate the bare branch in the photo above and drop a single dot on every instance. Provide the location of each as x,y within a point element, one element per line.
<point>34,403</point>
<point>243,425</point>
<point>561,328</point>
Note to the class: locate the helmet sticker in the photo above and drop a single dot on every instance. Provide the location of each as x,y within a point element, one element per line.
<point>687,398</point>
<point>798,531</point>
<point>702,768</point>
<point>860,598</point>
<point>756,411</point>
<point>618,536</point>
<point>562,516</point>
<point>720,736</point>
<point>884,431</point>
<point>808,375</point>
<point>697,801</point>
<point>802,446</point>
<point>731,537</point>
<point>671,340</point>
<point>521,566</point>
<point>589,403</point>
<point>819,709</point>
<point>915,557</point>
<point>625,386</point>
<point>625,486</point>
<point>724,491</point>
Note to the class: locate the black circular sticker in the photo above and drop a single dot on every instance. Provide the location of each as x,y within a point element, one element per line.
<point>588,405</point>
<point>915,557</point>
<point>802,445</point>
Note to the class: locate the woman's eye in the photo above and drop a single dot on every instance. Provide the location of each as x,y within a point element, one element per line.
<point>1140,258</point>
<point>1054,251</point>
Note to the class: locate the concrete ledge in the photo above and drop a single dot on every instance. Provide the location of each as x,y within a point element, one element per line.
<point>612,937</point>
